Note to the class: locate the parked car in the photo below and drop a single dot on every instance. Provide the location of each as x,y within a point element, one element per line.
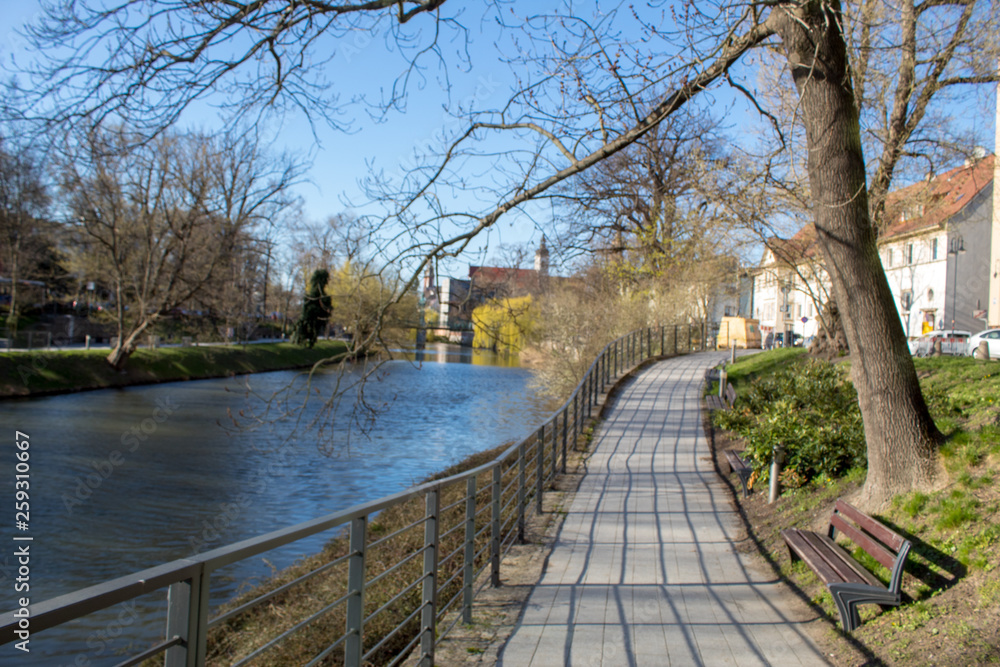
<point>992,338</point>
<point>953,341</point>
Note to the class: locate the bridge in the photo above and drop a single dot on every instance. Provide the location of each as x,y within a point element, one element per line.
<point>644,571</point>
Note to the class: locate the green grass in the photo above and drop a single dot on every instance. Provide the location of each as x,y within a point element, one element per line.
<point>763,363</point>
<point>47,372</point>
<point>952,576</point>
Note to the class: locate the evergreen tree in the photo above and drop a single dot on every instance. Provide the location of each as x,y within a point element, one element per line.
<point>315,310</point>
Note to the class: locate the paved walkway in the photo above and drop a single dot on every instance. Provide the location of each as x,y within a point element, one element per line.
<point>644,570</point>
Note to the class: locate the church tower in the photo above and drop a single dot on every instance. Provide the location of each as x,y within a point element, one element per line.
<point>542,260</point>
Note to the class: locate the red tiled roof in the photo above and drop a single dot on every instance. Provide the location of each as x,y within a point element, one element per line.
<point>793,250</point>
<point>927,204</point>
<point>932,203</point>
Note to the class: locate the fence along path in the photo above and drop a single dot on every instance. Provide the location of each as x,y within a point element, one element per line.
<point>468,523</point>
<point>644,570</point>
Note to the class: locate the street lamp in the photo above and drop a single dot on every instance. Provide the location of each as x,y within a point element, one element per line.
<point>956,247</point>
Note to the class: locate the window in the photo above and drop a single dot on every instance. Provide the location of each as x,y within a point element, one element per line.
<point>930,293</point>
<point>889,258</point>
<point>909,253</point>
<point>934,248</point>
<point>907,299</point>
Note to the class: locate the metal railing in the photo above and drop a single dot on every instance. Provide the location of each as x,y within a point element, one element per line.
<point>469,521</point>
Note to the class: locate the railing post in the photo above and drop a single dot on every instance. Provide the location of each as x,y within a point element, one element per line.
<point>662,346</point>
<point>555,445</point>
<point>469,572</point>
<point>432,502</point>
<point>495,516</point>
<point>576,419</point>
<point>354,644</point>
<point>539,469</point>
<point>522,491</point>
<point>649,343</point>
<point>675,339</point>
<point>187,618</point>
<point>565,436</point>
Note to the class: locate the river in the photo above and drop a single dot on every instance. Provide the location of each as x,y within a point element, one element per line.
<point>124,479</point>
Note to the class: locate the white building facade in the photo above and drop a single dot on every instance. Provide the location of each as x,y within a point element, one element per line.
<point>936,253</point>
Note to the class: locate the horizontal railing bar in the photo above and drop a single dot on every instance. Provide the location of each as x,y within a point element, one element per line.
<point>392,633</point>
<point>403,654</point>
<point>295,628</point>
<point>384,573</point>
<point>457,619</point>
<point>483,530</point>
<point>397,533</point>
<point>445,585</point>
<point>443,609</point>
<point>150,652</point>
<point>277,591</point>
<point>460,501</point>
<point>396,597</point>
<point>64,608</point>
<point>327,651</point>
<point>457,526</point>
<point>459,549</point>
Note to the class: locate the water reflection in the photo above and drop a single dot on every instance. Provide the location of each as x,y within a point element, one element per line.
<point>129,478</point>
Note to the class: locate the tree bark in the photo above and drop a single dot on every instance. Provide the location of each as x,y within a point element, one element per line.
<point>901,437</point>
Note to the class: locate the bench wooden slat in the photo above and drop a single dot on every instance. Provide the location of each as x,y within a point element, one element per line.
<point>846,569</point>
<point>735,462</point>
<point>875,549</point>
<point>879,531</point>
<point>730,394</point>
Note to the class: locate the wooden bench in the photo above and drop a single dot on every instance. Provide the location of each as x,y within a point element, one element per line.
<point>849,583</point>
<point>741,468</point>
<point>727,400</point>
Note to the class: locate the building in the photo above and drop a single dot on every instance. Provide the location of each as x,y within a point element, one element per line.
<point>454,299</point>
<point>939,253</point>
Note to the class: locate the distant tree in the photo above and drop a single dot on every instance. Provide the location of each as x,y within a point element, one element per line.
<point>24,201</point>
<point>316,309</point>
<point>159,222</point>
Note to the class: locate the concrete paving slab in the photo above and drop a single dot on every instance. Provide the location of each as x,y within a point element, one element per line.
<point>645,571</point>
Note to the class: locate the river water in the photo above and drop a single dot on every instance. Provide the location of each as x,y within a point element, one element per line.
<point>125,479</point>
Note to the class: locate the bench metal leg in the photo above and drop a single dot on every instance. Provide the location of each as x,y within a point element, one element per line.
<point>848,596</point>
<point>744,476</point>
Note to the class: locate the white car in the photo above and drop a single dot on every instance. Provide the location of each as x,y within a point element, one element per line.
<point>953,341</point>
<point>992,338</point>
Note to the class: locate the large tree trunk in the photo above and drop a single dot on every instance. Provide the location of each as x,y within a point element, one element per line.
<point>901,436</point>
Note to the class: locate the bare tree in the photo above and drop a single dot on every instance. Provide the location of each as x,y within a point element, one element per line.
<point>24,200</point>
<point>571,111</point>
<point>159,223</point>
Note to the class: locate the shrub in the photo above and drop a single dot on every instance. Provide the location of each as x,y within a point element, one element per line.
<point>811,410</point>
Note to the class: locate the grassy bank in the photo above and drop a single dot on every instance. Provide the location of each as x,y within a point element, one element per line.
<point>952,583</point>
<point>62,371</point>
<point>394,535</point>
